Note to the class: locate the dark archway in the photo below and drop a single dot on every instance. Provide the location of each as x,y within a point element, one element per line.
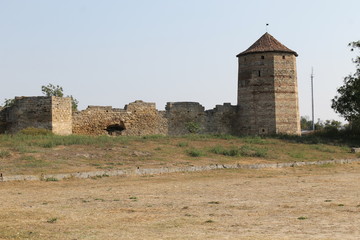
<point>115,129</point>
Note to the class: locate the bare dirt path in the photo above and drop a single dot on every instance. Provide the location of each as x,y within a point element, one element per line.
<point>311,202</point>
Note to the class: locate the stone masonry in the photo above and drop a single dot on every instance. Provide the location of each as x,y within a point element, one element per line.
<point>267,104</point>
<point>52,113</point>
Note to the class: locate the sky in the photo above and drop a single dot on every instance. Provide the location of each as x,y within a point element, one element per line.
<point>113,52</point>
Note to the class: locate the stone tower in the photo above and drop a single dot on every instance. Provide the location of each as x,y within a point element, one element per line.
<point>267,88</point>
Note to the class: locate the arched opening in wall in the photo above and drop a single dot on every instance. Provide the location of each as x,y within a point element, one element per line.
<point>115,129</point>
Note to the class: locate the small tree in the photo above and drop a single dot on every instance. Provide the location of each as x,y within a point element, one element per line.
<point>347,102</point>
<point>57,91</point>
<point>9,102</point>
<point>305,123</point>
<point>52,90</point>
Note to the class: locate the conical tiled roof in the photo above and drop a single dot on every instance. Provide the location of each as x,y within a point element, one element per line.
<point>267,43</point>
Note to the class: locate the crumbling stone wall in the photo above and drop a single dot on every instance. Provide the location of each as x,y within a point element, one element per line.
<point>137,118</point>
<point>145,119</point>
<point>52,113</point>
<point>141,118</point>
<point>223,119</point>
<point>61,114</point>
<point>182,116</point>
<point>29,112</point>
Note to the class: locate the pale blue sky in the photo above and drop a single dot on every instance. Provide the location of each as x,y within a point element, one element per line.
<point>112,52</point>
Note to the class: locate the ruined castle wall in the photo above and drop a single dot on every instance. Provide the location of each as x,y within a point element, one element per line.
<point>61,111</point>
<point>187,117</point>
<point>137,118</point>
<point>145,119</point>
<point>29,112</point>
<point>95,119</point>
<point>223,119</point>
<point>52,113</point>
<point>184,117</point>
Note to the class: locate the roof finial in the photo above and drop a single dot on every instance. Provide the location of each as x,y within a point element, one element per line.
<point>267,25</point>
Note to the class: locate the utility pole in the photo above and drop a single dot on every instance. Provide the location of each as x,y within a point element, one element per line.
<point>312,98</point>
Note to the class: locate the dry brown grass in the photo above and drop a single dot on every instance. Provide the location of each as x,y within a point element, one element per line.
<point>312,202</point>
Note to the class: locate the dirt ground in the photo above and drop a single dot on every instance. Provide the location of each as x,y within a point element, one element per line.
<point>312,202</point>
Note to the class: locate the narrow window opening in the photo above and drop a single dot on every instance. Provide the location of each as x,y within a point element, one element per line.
<point>259,73</point>
<point>283,57</point>
<point>262,57</point>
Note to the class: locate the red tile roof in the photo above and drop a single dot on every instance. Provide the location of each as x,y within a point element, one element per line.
<point>267,43</point>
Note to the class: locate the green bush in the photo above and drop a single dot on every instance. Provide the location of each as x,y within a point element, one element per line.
<point>233,152</point>
<point>195,152</point>
<point>245,151</point>
<point>251,151</point>
<point>193,127</point>
<point>183,144</point>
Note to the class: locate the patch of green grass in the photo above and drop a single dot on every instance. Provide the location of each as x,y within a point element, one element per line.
<point>323,148</point>
<point>224,136</point>
<point>133,198</point>
<point>302,218</point>
<point>99,199</point>
<point>183,144</point>
<point>233,151</point>
<point>209,221</point>
<point>100,176</point>
<point>298,155</point>
<point>51,179</point>
<point>327,165</point>
<point>52,220</point>
<point>195,152</point>
<point>214,202</point>
<point>245,151</point>
<point>21,148</point>
<point>254,140</point>
<point>153,137</point>
<point>4,154</point>
<point>252,151</point>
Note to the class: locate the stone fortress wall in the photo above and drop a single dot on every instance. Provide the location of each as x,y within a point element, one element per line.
<point>52,113</point>
<point>136,119</point>
<point>267,104</point>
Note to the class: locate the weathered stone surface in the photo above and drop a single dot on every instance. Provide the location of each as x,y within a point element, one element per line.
<point>137,118</point>
<point>52,113</point>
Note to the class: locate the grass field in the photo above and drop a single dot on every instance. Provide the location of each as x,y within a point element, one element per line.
<point>37,154</point>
